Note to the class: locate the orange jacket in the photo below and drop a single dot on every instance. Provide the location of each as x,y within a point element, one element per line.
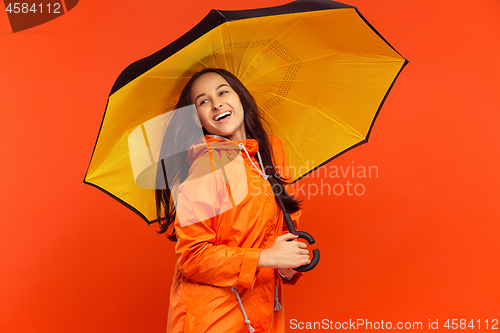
<point>221,251</point>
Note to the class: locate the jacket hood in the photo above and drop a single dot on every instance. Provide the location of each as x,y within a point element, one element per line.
<point>219,143</point>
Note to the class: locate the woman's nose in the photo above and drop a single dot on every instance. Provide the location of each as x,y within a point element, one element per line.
<point>217,105</point>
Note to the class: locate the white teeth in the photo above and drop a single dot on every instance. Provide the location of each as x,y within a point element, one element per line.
<point>221,115</point>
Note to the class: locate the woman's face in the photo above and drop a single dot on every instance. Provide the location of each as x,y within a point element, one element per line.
<point>219,106</point>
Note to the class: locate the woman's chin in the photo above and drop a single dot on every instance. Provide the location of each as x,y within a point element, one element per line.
<point>228,132</point>
<point>219,132</point>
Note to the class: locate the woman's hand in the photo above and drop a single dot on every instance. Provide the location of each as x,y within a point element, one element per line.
<point>285,255</point>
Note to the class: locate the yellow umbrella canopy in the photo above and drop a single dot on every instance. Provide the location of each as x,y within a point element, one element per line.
<point>317,69</point>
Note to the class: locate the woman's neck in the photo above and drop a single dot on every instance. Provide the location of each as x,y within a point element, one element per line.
<point>224,138</point>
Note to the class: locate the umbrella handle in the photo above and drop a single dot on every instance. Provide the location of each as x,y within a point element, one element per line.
<point>291,229</point>
<point>309,239</point>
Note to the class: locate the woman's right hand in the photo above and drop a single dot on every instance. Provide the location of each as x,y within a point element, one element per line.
<point>285,254</point>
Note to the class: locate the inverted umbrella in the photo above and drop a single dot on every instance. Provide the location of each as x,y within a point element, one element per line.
<point>317,69</point>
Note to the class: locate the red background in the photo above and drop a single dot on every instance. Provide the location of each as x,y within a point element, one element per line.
<point>421,243</point>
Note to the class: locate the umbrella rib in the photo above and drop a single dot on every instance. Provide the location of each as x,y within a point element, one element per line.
<point>324,57</point>
<point>221,14</point>
<point>252,40</point>
<point>275,39</point>
<point>357,134</point>
<point>226,25</point>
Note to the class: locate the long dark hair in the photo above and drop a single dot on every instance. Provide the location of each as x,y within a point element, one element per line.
<point>253,127</point>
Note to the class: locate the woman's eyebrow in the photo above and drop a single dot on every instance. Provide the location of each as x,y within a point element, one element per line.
<point>222,85</point>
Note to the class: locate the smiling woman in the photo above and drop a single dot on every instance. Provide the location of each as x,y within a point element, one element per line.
<point>219,107</point>
<point>230,266</point>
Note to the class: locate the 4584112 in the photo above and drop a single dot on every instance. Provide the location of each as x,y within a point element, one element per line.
<point>461,324</point>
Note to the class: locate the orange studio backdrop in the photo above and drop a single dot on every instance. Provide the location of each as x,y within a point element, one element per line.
<point>408,225</point>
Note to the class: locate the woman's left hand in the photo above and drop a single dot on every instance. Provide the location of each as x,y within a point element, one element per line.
<point>287,272</point>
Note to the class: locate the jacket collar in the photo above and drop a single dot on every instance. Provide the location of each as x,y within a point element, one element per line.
<point>220,143</point>
<point>251,145</point>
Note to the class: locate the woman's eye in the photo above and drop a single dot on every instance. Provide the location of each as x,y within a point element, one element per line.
<point>223,92</point>
<point>202,102</point>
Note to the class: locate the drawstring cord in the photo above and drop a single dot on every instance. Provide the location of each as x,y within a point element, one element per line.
<point>277,305</point>
<point>242,146</point>
<point>261,164</point>
<point>260,159</point>
<point>247,321</point>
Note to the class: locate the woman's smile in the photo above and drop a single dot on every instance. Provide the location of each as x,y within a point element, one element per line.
<point>223,116</point>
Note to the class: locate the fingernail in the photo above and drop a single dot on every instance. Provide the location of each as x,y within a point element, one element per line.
<point>295,235</point>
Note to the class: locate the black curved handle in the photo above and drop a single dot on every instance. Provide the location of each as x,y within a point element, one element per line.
<point>301,234</point>
<point>305,235</point>
<point>309,239</point>
<point>308,267</point>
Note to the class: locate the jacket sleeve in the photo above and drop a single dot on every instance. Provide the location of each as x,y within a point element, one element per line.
<point>294,278</point>
<point>282,165</point>
<point>199,257</point>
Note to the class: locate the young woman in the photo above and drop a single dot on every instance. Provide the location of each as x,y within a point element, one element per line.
<point>231,267</point>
